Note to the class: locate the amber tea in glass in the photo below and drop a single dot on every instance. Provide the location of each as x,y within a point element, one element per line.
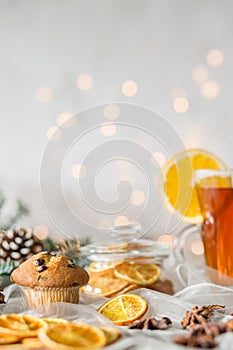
<point>215,195</point>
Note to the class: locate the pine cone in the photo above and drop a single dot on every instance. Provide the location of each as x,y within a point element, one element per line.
<point>2,301</point>
<point>19,245</point>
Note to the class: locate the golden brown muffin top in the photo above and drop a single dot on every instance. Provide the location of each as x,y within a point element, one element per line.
<point>49,270</point>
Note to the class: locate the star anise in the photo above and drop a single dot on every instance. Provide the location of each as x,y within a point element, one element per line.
<point>198,341</point>
<point>199,315</point>
<point>152,323</point>
<point>208,328</point>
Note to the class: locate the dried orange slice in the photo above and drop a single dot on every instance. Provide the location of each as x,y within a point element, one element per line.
<point>72,337</point>
<point>124,309</point>
<point>54,321</point>
<point>9,339</point>
<point>111,334</point>
<point>176,182</point>
<point>143,274</point>
<point>127,289</point>
<point>104,286</point>
<point>101,268</point>
<point>23,326</point>
<point>32,343</point>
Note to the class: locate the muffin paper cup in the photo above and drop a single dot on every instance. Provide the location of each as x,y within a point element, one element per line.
<point>38,295</point>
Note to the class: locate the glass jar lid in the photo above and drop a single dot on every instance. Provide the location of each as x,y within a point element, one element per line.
<point>125,244</point>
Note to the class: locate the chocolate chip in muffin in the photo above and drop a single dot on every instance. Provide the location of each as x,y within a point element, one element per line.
<point>75,284</point>
<point>72,266</point>
<point>39,262</point>
<point>42,268</point>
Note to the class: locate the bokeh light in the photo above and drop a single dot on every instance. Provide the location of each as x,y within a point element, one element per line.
<point>108,129</point>
<point>158,159</point>
<point>121,220</point>
<point>85,82</point>
<point>54,134</point>
<point>129,88</point>
<point>168,239</point>
<point>138,197</point>
<point>64,120</point>
<point>41,231</point>
<point>210,89</point>
<point>215,57</point>
<point>43,94</point>
<point>181,104</point>
<point>200,74</point>
<point>111,112</point>
<point>78,171</point>
<point>197,248</point>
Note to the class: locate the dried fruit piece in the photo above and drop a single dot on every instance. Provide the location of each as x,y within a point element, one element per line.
<point>111,334</point>
<point>124,309</point>
<point>202,341</point>
<point>143,274</point>
<point>23,326</point>
<point>199,315</point>
<point>72,336</point>
<point>152,323</point>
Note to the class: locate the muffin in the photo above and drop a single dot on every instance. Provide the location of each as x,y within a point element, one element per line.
<point>48,278</point>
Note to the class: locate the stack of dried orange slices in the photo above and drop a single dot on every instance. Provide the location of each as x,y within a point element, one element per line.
<point>115,278</point>
<point>22,332</point>
<point>176,182</point>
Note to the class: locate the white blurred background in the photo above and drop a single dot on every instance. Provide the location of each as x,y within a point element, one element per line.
<point>59,57</point>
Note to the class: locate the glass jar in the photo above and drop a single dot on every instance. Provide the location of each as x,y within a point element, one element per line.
<point>125,263</point>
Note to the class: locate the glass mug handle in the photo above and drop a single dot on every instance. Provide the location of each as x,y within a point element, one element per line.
<point>180,241</point>
<point>187,269</point>
<point>200,271</point>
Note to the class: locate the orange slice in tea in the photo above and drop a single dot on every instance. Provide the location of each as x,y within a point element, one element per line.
<point>176,182</point>
<point>72,336</point>
<point>124,309</point>
<point>142,274</point>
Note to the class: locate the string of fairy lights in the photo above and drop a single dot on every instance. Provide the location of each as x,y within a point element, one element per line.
<point>209,89</point>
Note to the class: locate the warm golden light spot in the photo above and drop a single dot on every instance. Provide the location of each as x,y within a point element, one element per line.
<point>200,74</point>
<point>78,171</point>
<point>138,197</point>
<point>54,134</point>
<point>197,248</point>
<point>129,88</point>
<point>210,89</point>
<point>121,220</point>
<point>181,104</point>
<point>111,112</point>
<point>85,82</point>
<point>168,239</point>
<point>158,159</point>
<point>43,94</point>
<point>41,231</point>
<point>215,57</point>
<point>108,129</point>
<point>64,120</point>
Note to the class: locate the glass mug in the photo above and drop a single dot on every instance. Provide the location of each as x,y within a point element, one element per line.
<point>215,196</point>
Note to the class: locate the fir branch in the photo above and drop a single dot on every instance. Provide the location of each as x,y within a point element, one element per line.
<point>21,210</point>
<point>2,200</point>
<point>6,267</point>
